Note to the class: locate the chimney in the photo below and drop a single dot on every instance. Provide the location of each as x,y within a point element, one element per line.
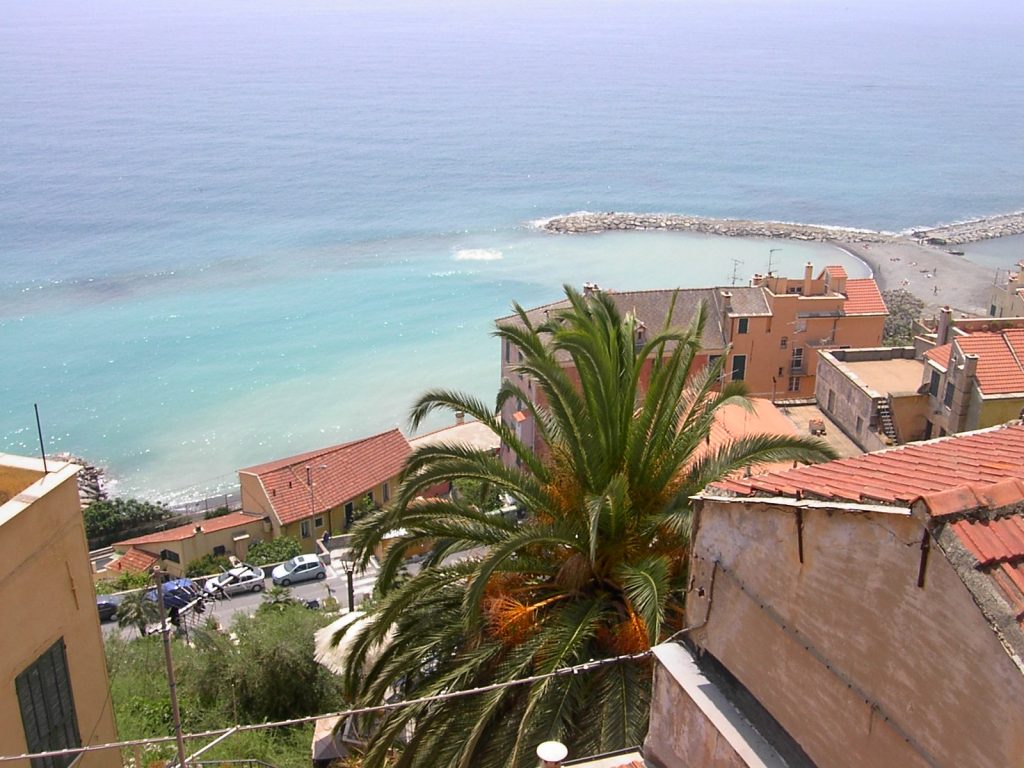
<point>589,288</point>
<point>460,418</point>
<point>970,367</point>
<point>942,333</point>
<point>726,320</point>
<point>551,754</point>
<point>808,272</point>
<point>199,529</point>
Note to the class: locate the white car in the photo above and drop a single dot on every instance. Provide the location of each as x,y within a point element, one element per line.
<point>241,578</point>
<point>299,568</point>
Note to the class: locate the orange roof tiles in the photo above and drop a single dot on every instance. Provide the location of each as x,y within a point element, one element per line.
<point>134,561</point>
<point>188,530</point>
<point>863,298</point>
<point>1000,359</point>
<point>900,475</point>
<point>940,355</point>
<point>733,422</point>
<point>340,473</point>
<point>835,271</point>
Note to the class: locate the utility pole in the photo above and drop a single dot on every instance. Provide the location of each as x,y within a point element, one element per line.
<point>171,684</point>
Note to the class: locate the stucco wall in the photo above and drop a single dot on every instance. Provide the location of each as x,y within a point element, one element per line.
<point>844,400</point>
<point>46,592</point>
<point>859,664</point>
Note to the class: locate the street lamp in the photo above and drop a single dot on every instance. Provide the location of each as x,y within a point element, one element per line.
<point>350,569</point>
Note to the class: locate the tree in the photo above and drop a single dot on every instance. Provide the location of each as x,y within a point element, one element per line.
<point>138,611</point>
<point>597,569</point>
<point>274,550</point>
<point>107,519</point>
<point>904,308</point>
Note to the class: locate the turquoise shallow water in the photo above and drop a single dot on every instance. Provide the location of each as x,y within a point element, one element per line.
<point>230,231</point>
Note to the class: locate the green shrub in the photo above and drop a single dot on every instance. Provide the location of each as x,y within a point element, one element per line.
<point>274,550</point>
<point>124,582</point>
<point>218,512</point>
<point>106,520</point>
<point>207,564</point>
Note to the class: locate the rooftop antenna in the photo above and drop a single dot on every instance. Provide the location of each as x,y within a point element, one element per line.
<point>770,252</point>
<point>735,266</point>
<point>42,447</point>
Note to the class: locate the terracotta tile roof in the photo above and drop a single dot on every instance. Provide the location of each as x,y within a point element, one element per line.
<point>133,561</point>
<point>835,271</point>
<point>733,422</point>
<point>1000,360</point>
<point>900,475</point>
<point>940,355</point>
<point>341,473</point>
<point>863,298</point>
<point>992,531</point>
<point>188,530</point>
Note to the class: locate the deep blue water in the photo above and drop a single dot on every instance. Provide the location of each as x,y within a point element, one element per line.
<point>232,230</point>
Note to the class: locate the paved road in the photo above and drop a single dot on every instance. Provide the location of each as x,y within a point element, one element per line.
<point>335,585</point>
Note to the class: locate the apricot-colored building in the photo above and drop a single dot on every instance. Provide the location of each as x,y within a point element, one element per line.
<point>175,548</point>
<point>55,692</point>
<point>770,331</point>
<point>308,494</point>
<point>1007,298</point>
<point>863,612</point>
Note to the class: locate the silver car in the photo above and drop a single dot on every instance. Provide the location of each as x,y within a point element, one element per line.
<point>299,568</point>
<point>241,578</point>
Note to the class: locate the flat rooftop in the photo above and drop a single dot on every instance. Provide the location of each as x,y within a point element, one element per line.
<point>885,376</point>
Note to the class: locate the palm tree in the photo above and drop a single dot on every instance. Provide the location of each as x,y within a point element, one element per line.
<point>597,569</point>
<point>138,611</point>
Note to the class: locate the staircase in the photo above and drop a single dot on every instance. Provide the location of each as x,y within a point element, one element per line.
<point>885,422</point>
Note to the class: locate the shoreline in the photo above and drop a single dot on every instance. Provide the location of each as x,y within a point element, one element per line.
<point>919,261</point>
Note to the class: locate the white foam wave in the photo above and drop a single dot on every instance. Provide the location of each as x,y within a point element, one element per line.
<point>478,254</point>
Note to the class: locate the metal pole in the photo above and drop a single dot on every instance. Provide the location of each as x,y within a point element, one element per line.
<point>351,589</point>
<point>171,684</point>
<point>39,429</point>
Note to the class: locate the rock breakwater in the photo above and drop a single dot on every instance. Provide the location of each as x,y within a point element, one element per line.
<point>612,221</point>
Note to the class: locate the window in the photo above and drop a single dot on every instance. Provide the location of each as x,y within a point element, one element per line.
<point>742,325</point>
<point>933,385</point>
<point>831,407</point>
<point>508,351</point>
<point>219,550</point>
<point>860,424</point>
<point>304,529</point>
<point>783,342</point>
<point>948,397</point>
<point>991,310</point>
<point>739,367</point>
<point>385,493</point>
<point>796,363</point>
<point>369,498</point>
<point>48,707</point>
<point>350,510</point>
<point>169,554</point>
<point>794,383</point>
<point>318,522</point>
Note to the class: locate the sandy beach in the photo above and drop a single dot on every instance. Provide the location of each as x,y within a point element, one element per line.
<point>931,273</point>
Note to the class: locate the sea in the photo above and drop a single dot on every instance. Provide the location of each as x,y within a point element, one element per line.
<point>232,230</point>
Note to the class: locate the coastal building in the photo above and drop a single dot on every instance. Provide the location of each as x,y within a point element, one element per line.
<point>175,548</point>
<point>874,394</point>
<point>770,331</point>
<point>975,380</point>
<point>55,692</point>
<point>865,611</point>
<point>1007,298</point>
<point>322,491</point>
